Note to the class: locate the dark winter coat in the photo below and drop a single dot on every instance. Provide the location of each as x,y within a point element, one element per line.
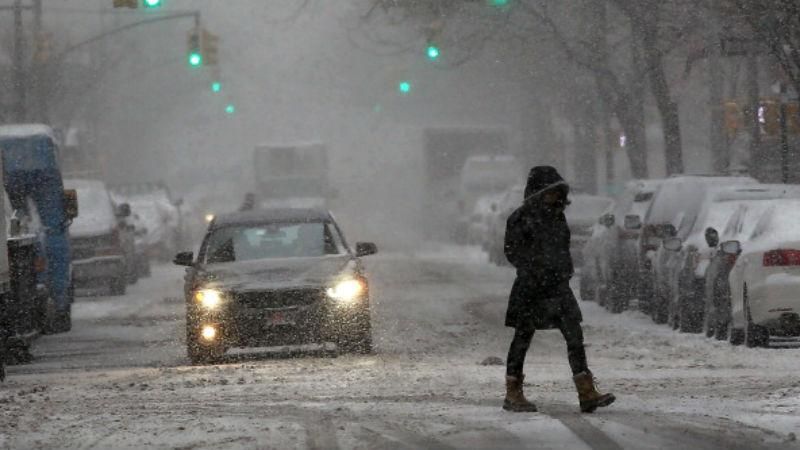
<point>537,245</point>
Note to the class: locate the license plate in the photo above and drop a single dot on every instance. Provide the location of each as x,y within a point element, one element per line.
<point>281,318</point>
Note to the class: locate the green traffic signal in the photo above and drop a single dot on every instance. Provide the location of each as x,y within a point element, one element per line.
<point>404,87</point>
<point>499,3</point>
<point>433,52</point>
<point>216,86</point>
<point>230,109</point>
<point>195,59</point>
<point>152,4</point>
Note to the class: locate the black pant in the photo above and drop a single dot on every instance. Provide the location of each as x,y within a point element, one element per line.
<point>573,334</point>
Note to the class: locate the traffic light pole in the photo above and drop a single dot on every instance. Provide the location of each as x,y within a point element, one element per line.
<point>174,16</point>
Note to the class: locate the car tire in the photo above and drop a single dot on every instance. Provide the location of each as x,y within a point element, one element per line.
<point>143,267</point>
<point>586,293</point>
<point>721,330</point>
<point>709,329</point>
<point>118,286</point>
<point>201,355</point>
<point>754,335</point>
<point>133,275</point>
<point>688,320</point>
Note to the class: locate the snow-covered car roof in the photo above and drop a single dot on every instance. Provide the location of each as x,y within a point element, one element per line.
<point>683,196</point>
<point>778,224</point>
<point>722,203</point>
<point>26,130</point>
<point>586,208</point>
<point>95,208</point>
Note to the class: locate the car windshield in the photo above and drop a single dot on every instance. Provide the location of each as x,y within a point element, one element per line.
<point>273,240</point>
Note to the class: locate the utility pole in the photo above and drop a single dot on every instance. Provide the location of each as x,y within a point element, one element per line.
<point>20,86</point>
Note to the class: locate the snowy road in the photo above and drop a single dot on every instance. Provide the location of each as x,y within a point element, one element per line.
<point>120,379</point>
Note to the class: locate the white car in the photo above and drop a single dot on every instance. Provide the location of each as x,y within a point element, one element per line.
<point>509,201</point>
<point>765,281</point>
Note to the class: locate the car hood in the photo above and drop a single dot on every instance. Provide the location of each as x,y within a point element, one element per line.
<point>270,274</point>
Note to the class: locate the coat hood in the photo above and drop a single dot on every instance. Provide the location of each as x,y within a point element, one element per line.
<point>541,179</point>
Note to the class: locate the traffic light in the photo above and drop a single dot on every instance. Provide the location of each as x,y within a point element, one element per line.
<point>404,87</point>
<point>498,3</point>
<point>209,45</point>
<point>152,4</point>
<point>433,52</point>
<point>194,55</point>
<point>216,86</point>
<point>769,115</point>
<point>230,109</point>
<point>133,4</point>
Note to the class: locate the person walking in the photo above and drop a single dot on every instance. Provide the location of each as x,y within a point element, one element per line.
<point>537,244</point>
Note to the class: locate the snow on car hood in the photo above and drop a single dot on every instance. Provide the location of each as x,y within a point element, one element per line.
<point>267,274</point>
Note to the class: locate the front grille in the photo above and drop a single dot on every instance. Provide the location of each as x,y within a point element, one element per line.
<point>279,299</point>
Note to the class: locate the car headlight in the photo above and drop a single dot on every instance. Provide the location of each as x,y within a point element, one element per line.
<point>347,291</point>
<point>208,298</point>
<point>209,217</point>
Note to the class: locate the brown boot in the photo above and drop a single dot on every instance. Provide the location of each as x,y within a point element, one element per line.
<point>515,399</point>
<point>588,395</point>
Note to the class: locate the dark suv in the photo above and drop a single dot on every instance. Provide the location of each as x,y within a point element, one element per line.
<point>275,277</point>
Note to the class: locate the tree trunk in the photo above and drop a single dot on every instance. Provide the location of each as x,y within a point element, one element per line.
<point>626,103</point>
<point>670,119</point>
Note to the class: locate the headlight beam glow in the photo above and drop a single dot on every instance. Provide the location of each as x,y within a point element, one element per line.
<point>208,298</point>
<point>346,291</point>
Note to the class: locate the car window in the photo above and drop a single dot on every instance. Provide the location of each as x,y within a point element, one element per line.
<point>763,224</point>
<point>266,241</point>
<point>734,224</point>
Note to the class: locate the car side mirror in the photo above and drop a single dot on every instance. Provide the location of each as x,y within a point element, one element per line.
<point>607,220</point>
<point>712,237</point>
<point>123,210</point>
<point>366,248</point>
<point>673,244</point>
<point>633,222</point>
<point>70,203</point>
<point>184,259</point>
<point>732,247</point>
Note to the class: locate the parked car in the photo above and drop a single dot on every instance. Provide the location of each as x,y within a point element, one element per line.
<point>478,226</point>
<point>593,252</point>
<point>739,227</point>
<point>102,245</point>
<point>140,244</point>
<point>161,213</point>
<point>610,272</point>
<point>672,213</point>
<point>508,202</point>
<point>582,214</point>
<point>765,280</point>
<point>685,268</point>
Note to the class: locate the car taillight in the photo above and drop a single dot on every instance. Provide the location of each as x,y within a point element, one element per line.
<point>782,257</point>
<point>731,259</point>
